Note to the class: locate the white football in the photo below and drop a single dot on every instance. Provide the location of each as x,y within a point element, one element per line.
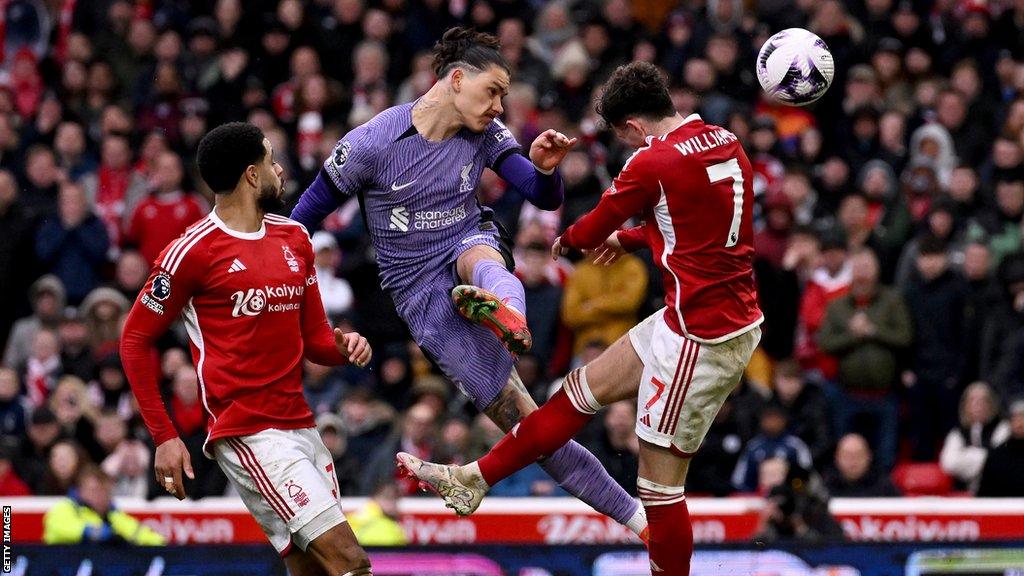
<point>795,67</point>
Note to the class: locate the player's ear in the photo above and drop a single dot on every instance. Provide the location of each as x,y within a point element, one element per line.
<point>457,76</point>
<point>252,176</point>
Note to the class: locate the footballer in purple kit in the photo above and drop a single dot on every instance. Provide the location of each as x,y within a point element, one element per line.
<point>443,259</point>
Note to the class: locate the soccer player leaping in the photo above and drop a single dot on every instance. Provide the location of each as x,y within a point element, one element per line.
<point>243,281</point>
<point>692,183</point>
<point>415,169</point>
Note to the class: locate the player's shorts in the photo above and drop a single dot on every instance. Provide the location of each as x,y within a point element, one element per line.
<point>287,480</point>
<point>468,354</point>
<point>684,382</point>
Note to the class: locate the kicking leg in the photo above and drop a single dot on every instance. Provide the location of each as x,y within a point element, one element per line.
<point>660,486</point>
<point>546,432</point>
<point>495,299</point>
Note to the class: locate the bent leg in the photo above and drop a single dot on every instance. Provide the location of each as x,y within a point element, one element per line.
<point>483,266</point>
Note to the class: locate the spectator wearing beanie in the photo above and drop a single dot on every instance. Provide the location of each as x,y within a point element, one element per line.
<point>936,297</point>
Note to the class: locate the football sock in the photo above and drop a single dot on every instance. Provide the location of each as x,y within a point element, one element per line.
<point>671,535</point>
<point>494,277</point>
<point>638,521</point>
<point>547,432</point>
<point>581,474</point>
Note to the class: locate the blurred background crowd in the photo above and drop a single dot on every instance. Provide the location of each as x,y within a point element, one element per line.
<point>888,217</point>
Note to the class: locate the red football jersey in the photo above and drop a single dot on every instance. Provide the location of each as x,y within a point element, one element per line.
<point>252,310</point>
<point>694,189</point>
<point>159,220</point>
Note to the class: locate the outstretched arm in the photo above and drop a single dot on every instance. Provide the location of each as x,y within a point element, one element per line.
<point>628,195</point>
<point>543,189</point>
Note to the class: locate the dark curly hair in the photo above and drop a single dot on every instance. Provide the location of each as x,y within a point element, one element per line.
<point>635,89</point>
<point>467,47</point>
<point>226,151</point>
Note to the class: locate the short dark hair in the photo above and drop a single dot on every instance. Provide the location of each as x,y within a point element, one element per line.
<point>930,245</point>
<point>467,47</point>
<point>226,151</point>
<point>635,89</point>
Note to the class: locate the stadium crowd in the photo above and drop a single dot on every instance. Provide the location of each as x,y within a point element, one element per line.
<point>890,249</point>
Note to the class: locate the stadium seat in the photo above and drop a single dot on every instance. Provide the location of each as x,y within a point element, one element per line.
<point>921,479</point>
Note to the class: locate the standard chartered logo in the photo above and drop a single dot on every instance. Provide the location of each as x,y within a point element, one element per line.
<point>425,219</point>
<point>400,218</point>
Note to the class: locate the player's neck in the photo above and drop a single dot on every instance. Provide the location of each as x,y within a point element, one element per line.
<point>665,125</point>
<point>434,117</point>
<point>239,212</point>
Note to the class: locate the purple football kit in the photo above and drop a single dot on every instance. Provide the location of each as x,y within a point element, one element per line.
<point>418,198</point>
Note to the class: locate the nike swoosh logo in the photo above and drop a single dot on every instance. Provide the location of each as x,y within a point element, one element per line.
<point>395,186</point>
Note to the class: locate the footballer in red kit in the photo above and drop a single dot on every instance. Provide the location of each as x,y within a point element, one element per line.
<point>242,280</point>
<point>691,183</point>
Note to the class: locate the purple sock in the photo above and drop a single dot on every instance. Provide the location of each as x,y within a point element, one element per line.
<point>579,472</point>
<point>494,277</point>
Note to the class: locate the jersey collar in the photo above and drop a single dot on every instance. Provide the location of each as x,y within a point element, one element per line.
<point>240,235</point>
<point>687,120</point>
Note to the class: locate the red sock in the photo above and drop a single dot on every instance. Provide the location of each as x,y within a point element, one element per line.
<point>671,543</point>
<point>538,435</point>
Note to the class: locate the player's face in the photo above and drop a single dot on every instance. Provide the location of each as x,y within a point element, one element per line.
<point>271,181</point>
<point>478,96</point>
<point>630,133</point>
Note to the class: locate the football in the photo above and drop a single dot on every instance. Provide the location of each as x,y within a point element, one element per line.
<point>795,67</point>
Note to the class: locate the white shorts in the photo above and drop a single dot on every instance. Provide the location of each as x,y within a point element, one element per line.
<point>287,480</point>
<point>685,382</point>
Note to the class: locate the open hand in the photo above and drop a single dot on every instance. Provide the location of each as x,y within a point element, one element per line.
<point>549,148</point>
<point>607,253</point>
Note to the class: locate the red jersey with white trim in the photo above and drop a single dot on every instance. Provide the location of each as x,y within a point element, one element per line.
<point>252,310</point>
<point>694,189</point>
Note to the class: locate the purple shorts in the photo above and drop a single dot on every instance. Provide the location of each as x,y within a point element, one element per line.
<point>470,355</point>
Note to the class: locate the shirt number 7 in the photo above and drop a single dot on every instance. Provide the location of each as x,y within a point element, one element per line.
<point>724,171</point>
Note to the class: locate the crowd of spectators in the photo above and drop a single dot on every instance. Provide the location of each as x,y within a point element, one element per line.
<point>888,229</point>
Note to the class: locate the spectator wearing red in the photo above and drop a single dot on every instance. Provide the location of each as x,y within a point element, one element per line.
<point>167,212</point>
<point>26,83</point>
<point>830,281</point>
<point>115,188</point>
<point>43,367</point>
<point>10,483</point>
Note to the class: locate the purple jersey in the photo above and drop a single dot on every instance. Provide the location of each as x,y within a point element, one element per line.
<point>419,196</point>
